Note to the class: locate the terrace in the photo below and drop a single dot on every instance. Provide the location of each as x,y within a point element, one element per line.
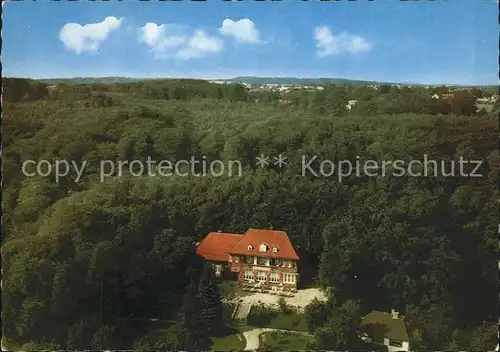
<point>261,287</point>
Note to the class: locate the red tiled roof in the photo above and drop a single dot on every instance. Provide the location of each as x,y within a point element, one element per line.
<point>216,245</point>
<point>271,238</point>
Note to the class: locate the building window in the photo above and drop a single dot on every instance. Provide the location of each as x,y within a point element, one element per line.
<point>261,261</point>
<point>288,278</point>
<point>248,275</point>
<point>218,269</point>
<point>236,259</point>
<point>274,261</point>
<point>249,259</point>
<point>261,276</point>
<point>396,343</point>
<point>274,277</point>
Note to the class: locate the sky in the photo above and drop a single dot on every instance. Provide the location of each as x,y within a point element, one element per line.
<point>427,42</point>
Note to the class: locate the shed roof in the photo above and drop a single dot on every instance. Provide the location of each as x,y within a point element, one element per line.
<point>381,324</point>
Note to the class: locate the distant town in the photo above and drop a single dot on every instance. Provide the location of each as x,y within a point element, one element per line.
<point>444,92</point>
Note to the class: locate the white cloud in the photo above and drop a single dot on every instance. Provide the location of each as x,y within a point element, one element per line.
<point>168,41</point>
<point>243,30</point>
<point>199,44</point>
<point>87,38</point>
<point>160,38</point>
<point>344,43</point>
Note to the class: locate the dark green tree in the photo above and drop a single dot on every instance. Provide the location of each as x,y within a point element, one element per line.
<point>210,300</point>
<point>341,330</point>
<point>463,103</point>
<point>384,88</point>
<point>477,93</point>
<point>484,337</point>
<point>193,333</point>
<point>317,315</point>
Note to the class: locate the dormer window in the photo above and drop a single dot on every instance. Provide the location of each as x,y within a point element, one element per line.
<point>250,247</point>
<point>275,250</point>
<point>263,247</point>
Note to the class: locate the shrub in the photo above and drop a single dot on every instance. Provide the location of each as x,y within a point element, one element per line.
<point>284,308</point>
<point>317,314</point>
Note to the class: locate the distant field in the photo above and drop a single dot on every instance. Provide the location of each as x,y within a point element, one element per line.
<point>486,107</point>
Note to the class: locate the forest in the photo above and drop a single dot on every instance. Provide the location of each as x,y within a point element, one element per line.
<point>83,261</point>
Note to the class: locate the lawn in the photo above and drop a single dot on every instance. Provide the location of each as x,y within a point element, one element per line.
<point>263,318</point>
<point>228,339</point>
<point>285,341</point>
<point>233,342</point>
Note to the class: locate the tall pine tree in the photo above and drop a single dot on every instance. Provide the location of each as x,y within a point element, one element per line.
<point>210,299</point>
<point>193,334</point>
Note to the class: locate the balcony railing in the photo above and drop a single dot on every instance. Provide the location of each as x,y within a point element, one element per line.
<point>267,262</point>
<point>276,265</point>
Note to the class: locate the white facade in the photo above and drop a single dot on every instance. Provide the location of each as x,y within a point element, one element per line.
<point>401,346</point>
<point>394,346</point>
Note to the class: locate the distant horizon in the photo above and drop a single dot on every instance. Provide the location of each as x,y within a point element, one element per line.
<point>228,78</point>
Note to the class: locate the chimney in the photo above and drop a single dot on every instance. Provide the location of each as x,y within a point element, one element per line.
<point>395,314</point>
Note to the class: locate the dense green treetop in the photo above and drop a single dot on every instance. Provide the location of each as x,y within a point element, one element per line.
<point>79,257</point>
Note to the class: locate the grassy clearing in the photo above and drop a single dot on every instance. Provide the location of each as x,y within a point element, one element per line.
<point>233,342</point>
<point>263,318</point>
<point>285,341</point>
<point>228,339</point>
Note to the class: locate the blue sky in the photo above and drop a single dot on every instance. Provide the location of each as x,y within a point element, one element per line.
<point>433,42</point>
